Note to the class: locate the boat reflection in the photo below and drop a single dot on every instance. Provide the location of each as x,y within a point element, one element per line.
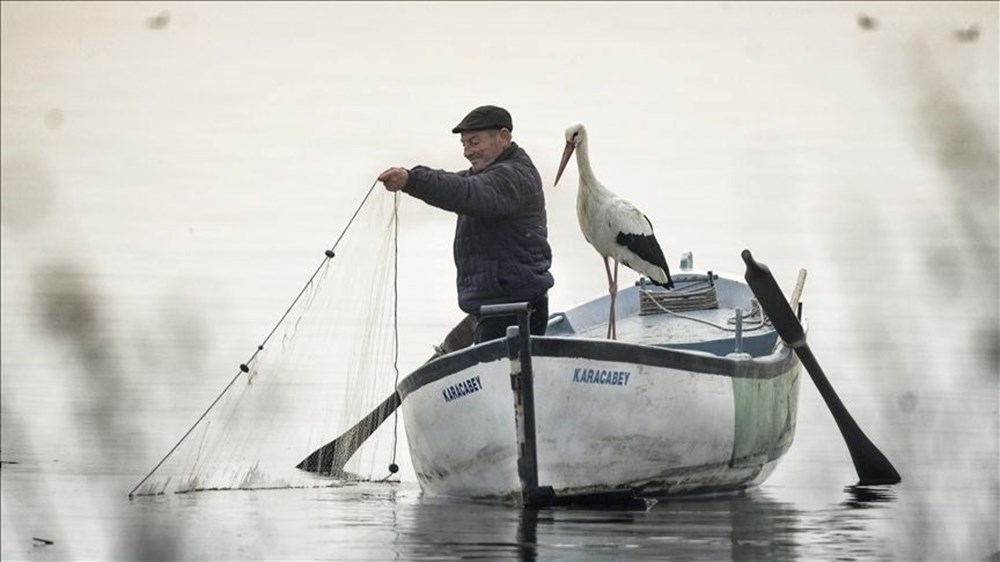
<point>748,526</point>
<point>751,525</point>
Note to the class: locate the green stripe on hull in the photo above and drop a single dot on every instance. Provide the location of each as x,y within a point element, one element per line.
<point>765,417</point>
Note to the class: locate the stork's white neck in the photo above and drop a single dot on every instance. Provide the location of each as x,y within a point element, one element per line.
<point>587,178</point>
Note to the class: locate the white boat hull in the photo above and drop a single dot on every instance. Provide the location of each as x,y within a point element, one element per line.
<point>610,417</point>
<point>603,426</point>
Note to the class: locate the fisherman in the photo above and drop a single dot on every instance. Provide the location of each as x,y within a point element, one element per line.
<point>501,246</point>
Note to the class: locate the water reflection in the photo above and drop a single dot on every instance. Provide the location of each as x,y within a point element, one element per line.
<point>378,521</point>
<point>747,526</point>
<point>867,497</point>
<point>527,535</point>
<point>750,526</point>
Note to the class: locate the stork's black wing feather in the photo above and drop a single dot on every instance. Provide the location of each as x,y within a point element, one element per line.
<point>646,247</point>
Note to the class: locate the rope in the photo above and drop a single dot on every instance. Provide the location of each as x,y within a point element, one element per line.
<point>695,296</point>
<point>754,311</point>
<point>395,326</point>
<point>244,367</point>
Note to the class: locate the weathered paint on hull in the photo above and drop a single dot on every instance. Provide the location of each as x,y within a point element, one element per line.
<point>464,446</point>
<point>605,424</point>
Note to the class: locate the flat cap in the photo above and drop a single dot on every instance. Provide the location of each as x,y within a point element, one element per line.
<point>485,117</point>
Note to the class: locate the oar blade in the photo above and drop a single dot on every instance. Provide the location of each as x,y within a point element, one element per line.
<point>331,458</point>
<point>871,465</point>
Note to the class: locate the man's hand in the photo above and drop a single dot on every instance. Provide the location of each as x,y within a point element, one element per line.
<point>394,178</point>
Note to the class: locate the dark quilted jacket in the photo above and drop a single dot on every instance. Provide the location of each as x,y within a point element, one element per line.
<point>501,239</point>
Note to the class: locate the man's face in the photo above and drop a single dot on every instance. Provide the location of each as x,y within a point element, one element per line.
<point>481,148</point>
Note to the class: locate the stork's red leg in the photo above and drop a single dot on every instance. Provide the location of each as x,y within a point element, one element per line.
<point>614,298</point>
<point>612,291</point>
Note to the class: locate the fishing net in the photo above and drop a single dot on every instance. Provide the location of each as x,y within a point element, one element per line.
<point>329,359</point>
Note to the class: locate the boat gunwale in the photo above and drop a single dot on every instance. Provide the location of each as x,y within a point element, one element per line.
<point>769,366</point>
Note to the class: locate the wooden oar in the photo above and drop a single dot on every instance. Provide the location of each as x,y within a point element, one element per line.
<point>869,462</point>
<point>331,458</point>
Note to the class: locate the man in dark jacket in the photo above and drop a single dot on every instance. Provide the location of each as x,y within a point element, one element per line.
<point>501,237</point>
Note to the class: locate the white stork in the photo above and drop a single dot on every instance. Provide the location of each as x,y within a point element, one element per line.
<point>612,225</point>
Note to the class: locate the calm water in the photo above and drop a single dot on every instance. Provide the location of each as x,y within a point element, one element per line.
<point>172,172</point>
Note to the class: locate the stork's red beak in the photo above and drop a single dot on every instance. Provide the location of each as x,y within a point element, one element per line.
<point>567,152</point>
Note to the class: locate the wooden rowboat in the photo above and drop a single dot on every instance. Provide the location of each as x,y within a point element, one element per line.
<point>698,401</point>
